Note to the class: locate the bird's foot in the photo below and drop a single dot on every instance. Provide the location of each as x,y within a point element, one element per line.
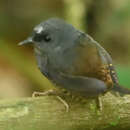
<point>52,93</point>
<point>99,103</point>
<point>49,92</point>
<point>116,94</point>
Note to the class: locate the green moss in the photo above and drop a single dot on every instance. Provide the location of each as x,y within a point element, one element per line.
<point>114,123</point>
<point>93,107</point>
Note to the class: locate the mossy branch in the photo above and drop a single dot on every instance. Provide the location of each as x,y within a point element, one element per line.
<point>48,113</point>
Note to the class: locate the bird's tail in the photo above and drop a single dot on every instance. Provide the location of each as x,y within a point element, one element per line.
<point>122,90</point>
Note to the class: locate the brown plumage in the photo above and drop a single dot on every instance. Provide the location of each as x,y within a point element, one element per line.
<point>89,63</point>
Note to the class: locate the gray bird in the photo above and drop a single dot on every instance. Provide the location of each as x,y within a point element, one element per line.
<point>73,60</point>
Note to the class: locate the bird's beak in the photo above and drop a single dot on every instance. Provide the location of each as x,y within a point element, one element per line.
<point>27,41</point>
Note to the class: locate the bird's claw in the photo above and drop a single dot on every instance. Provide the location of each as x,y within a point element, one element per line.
<point>49,92</point>
<point>54,93</point>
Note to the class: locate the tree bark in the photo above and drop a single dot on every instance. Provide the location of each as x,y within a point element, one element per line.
<point>48,113</point>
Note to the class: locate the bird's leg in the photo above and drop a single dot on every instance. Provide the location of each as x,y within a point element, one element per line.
<point>64,102</point>
<point>52,93</point>
<point>99,103</point>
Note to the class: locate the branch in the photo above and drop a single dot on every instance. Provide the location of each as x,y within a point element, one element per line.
<point>47,113</point>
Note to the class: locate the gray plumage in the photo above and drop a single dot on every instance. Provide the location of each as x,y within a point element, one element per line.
<point>71,59</point>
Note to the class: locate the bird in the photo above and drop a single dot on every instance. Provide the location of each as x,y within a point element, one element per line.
<point>73,60</point>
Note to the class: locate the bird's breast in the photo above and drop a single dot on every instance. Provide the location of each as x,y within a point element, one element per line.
<point>42,62</point>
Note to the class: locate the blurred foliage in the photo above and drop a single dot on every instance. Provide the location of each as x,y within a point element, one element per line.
<point>107,21</point>
<point>23,64</point>
<point>124,75</point>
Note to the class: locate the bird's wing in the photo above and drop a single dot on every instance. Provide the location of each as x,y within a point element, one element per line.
<point>117,88</point>
<point>108,59</point>
<point>93,61</point>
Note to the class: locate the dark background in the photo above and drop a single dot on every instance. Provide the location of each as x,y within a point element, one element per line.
<point>108,22</point>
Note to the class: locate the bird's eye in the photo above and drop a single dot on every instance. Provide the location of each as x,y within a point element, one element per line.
<point>38,37</point>
<point>46,37</point>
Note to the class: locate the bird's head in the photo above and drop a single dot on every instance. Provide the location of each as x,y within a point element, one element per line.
<point>53,34</point>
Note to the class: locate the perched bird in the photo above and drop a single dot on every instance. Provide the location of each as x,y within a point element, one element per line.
<point>73,60</point>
